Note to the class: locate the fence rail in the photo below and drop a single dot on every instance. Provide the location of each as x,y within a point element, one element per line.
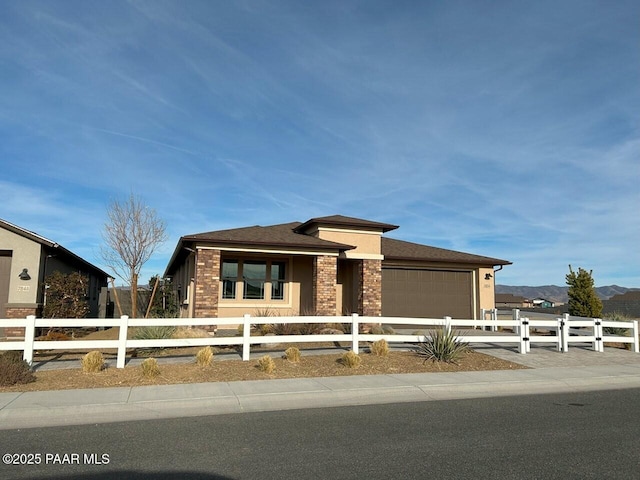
<point>522,332</point>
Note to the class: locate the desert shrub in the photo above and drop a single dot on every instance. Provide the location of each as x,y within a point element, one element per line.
<point>388,330</point>
<point>12,356</point>
<point>266,364</point>
<point>153,332</point>
<point>285,329</point>
<point>190,332</point>
<point>376,330</point>
<point>265,312</point>
<point>616,317</point>
<point>265,328</point>
<point>56,336</point>
<point>442,346</point>
<point>292,354</point>
<point>380,348</point>
<point>14,370</point>
<point>92,362</point>
<point>150,368</point>
<point>334,326</point>
<point>204,357</point>
<point>309,328</point>
<point>351,359</point>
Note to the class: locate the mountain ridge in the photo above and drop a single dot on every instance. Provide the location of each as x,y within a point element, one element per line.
<point>557,293</point>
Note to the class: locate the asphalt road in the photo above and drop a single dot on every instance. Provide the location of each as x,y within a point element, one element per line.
<point>580,435</point>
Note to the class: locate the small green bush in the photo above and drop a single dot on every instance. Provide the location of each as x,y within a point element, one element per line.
<point>442,346</point>
<point>14,370</point>
<point>153,332</point>
<point>351,359</point>
<point>204,357</point>
<point>150,367</point>
<point>292,354</point>
<point>376,330</point>
<point>266,364</point>
<point>616,317</point>
<point>380,348</point>
<point>93,362</point>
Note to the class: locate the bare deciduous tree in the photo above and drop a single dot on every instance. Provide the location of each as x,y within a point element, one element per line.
<point>132,233</point>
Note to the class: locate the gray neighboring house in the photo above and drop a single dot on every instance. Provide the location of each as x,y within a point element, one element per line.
<point>26,259</point>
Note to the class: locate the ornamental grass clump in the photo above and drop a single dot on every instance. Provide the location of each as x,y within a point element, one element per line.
<point>442,346</point>
<point>204,357</point>
<point>380,348</point>
<point>351,359</point>
<point>266,364</point>
<point>14,370</point>
<point>150,368</point>
<point>93,362</point>
<point>292,354</point>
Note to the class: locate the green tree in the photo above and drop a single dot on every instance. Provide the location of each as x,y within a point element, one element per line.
<point>164,303</point>
<point>583,300</point>
<point>66,295</point>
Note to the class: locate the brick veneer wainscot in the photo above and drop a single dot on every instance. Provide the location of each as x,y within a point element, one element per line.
<point>18,312</point>
<point>207,283</point>
<point>325,270</point>
<point>370,295</point>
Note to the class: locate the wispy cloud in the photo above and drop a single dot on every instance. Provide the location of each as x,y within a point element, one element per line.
<point>505,130</point>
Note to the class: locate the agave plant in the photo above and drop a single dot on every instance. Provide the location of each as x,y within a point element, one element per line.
<point>442,346</point>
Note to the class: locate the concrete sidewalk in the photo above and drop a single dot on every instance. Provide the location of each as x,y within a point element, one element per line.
<point>552,372</point>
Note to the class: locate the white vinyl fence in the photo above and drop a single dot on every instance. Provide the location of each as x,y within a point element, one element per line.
<point>522,334</point>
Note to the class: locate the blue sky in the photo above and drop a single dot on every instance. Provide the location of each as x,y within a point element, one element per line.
<point>506,129</point>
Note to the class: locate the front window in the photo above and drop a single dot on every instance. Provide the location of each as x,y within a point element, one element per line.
<point>254,275</point>
<point>252,279</point>
<point>229,278</point>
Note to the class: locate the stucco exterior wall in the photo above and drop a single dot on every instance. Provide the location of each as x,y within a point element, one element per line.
<point>25,254</point>
<point>486,290</point>
<point>366,242</point>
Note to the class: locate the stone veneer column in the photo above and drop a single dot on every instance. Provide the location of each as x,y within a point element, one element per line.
<point>18,312</point>
<point>370,295</point>
<point>325,271</point>
<point>207,283</point>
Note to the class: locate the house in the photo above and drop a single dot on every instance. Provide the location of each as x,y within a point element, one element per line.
<point>26,259</point>
<point>327,266</point>
<point>542,303</point>
<point>627,304</point>
<point>510,301</point>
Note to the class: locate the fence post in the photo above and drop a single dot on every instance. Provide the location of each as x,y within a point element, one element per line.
<point>565,333</point>
<point>122,341</point>
<point>635,337</point>
<point>559,334</point>
<point>246,337</point>
<point>29,337</point>
<point>447,325</point>
<point>515,315</point>
<point>522,330</point>
<point>355,330</point>
<point>598,345</point>
<point>494,318</point>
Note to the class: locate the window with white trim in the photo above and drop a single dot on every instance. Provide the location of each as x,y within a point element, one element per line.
<point>252,279</point>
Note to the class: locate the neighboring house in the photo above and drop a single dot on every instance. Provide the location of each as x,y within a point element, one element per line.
<point>327,266</point>
<point>26,259</point>
<point>542,303</point>
<point>510,301</point>
<point>627,304</point>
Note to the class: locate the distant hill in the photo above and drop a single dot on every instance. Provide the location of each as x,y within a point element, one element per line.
<point>556,293</point>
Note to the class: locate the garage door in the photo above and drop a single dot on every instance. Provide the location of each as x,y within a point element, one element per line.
<point>426,293</point>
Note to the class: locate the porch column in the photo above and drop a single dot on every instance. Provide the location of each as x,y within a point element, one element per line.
<point>325,271</point>
<point>207,284</point>
<point>370,294</point>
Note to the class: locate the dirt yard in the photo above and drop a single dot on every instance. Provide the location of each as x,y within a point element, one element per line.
<point>310,365</point>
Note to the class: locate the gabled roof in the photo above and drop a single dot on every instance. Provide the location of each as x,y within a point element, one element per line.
<point>50,244</point>
<point>282,235</point>
<point>341,221</point>
<point>400,250</point>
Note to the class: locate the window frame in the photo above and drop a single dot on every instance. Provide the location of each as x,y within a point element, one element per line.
<point>268,283</point>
